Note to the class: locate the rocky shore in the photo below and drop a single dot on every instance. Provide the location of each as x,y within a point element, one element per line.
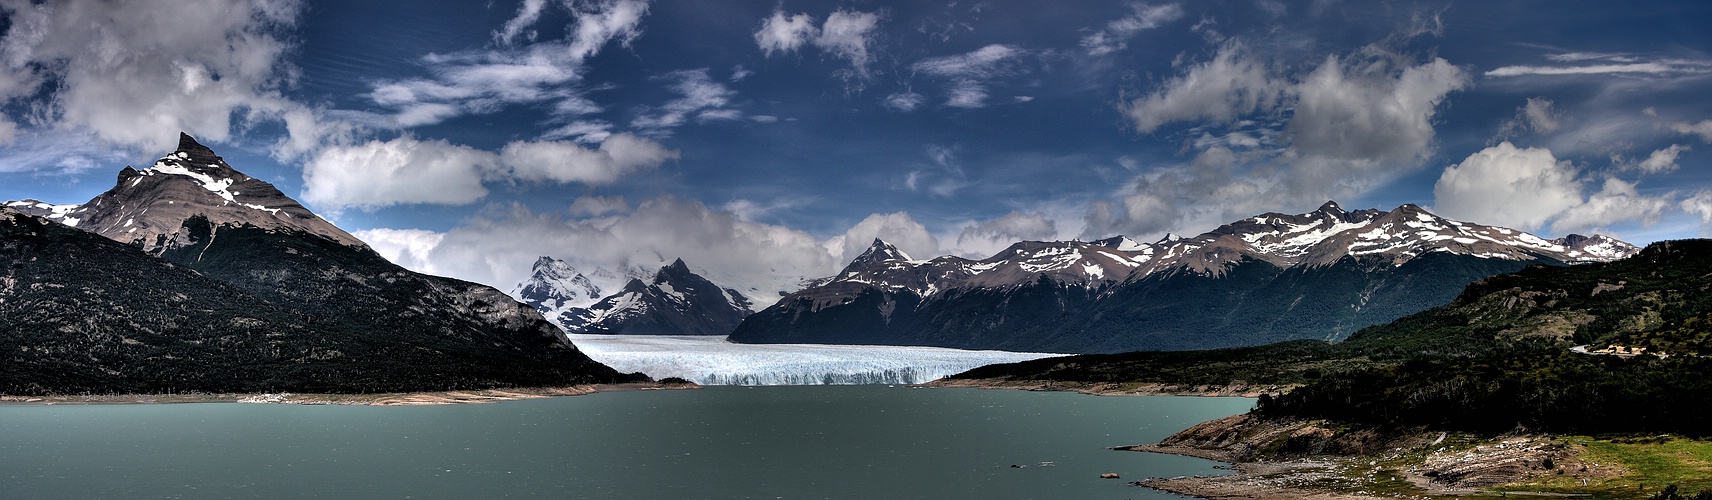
<point>1280,458</point>
<point>479,396</point>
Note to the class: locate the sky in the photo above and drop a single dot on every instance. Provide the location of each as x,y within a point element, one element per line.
<point>768,141</point>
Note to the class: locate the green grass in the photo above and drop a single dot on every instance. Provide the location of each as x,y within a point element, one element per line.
<point>1651,463</point>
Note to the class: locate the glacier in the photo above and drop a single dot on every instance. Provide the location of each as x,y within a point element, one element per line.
<point>712,360</point>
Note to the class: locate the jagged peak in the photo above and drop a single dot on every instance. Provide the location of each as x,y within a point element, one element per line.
<point>195,150</point>
<point>880,251</point>
<point>1168,238</point>
<point>1330,207</point>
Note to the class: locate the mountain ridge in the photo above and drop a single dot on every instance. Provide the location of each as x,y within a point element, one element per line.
<point>1052,296</point>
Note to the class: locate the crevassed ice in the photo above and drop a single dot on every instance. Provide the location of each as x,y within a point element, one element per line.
<point>711,360</point>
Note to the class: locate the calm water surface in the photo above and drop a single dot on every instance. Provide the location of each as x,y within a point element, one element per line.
<point>720,442</point>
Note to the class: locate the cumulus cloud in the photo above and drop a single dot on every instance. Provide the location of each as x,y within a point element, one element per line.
<point>1538,115</point>
<point>846,34</point>
<point>897,228</point>
<point>565,162</point>
<point>1700,204</point>
<point>1115,36</point>
<point>1232,84</point>
<point>1663,160</point>
<point>986,238</point>
<point>1509,186</point>
<point>400,171</point>
<point>758,259</point>
<point>783,34</point>
<point>1269,139</point>
<point>409,171</point>
<point>405,247</point>
<point>1344,112</point>
<point>1617,201</point>
<point>131,73</point>
<point>1207,191</point>
<point>1526,188</point>
<point>1702,129</point>
<point>595,206</point>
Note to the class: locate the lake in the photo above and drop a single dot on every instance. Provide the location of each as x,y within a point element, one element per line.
<point>868,441</point>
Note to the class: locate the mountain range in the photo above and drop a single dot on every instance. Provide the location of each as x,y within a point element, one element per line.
<point>190,275</point>
<point>673,301</point>
<point>1273,277</point>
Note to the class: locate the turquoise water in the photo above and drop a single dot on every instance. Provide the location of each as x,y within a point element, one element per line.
<point>721,442</point>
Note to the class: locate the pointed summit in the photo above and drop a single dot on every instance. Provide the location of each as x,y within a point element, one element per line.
<point>195,151</point>
<point>150,207</point>
<point>878,252</point>
<point>1330,207</point>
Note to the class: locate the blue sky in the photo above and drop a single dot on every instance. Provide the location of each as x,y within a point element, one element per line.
<point>768,141</point>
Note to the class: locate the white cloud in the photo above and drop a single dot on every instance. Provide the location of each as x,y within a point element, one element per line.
<point>583,131</point>
<point>1538,115</point>
<point>897,228</point>
<point>1347,112</point>
<point>1702,129</point>
<point>967,74</point>
<point>1700,204</point>
<point>406,247</point>
<point>783,34</point>
<point>499,249</point>
<point>701,97</point>
<point>847,34</point>
<point>903,101</point>
<point>1663,160</point>
<point>1617,201</point>
<point>595,206</point>
<point>1207,191</point>
<point>983,62</point>
<point>486,81</point>
<point>400,171</point>
<point>603,21</point>
<point>966,93</point>
<point>527,14</point>
<point>1220,90</point>
<point>1117,33</point>
<point>1653,68</point>
<point>1334,132</point>
<point>564,162</point>
<point>131,73</point>
<point>984,239</point>
<point>1508,186</point>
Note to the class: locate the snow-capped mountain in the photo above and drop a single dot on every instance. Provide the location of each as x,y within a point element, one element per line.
<point>45,210</point>
<point>190,275</point>
<point>673,301</point>
<point>1026,296</point>
<point>148,207</point>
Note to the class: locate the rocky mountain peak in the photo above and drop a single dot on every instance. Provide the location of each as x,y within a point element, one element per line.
<point>195,151</point>
<point>878,252</point>
<point>148,208</point>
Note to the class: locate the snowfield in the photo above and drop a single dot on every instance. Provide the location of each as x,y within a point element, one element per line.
<point>711,360</point>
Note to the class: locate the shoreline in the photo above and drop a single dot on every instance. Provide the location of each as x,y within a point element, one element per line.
<point>1114,389</point>
<point>419,398</point>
